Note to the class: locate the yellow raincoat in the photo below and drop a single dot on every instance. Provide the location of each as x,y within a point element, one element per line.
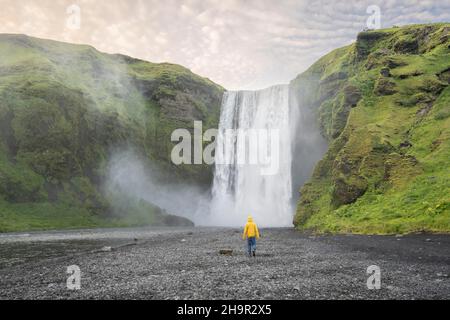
<point>250,230</point>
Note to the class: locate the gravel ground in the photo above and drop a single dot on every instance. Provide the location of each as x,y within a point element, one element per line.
<point>186,264</point>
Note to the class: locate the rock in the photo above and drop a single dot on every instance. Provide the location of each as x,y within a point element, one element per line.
<point>352,95</point>
<point>385,87</point>
<point>444,75</point>
<point>365,41</point>
<point>415,73</point>
<point>154,270</point>
<point>176,221</point>
<point>403,46</point>
<point>335,76</point>
<point>341,109</point>
<point>433,86</point>
<point>394,62</point>
<point>106,249</point>
<point>405,144</point>
<point>183,240</point>
<point>226,252</point>
<point>348,190</point>
<point>385,72</point>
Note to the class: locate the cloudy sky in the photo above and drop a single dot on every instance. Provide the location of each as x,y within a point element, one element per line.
<point>240,44</point>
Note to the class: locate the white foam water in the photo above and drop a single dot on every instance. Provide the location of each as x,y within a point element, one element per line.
<point>240,189</point>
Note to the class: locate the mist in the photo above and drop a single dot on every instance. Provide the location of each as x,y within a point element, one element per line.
<point>237,191</point>
<point>133,177</point>
<point>308,144</point>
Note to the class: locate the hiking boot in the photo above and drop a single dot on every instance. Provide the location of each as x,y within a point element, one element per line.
<point>254,253</point>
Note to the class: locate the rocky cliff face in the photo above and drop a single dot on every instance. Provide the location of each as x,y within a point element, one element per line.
<point>383,104</point>
<point>64,109</point>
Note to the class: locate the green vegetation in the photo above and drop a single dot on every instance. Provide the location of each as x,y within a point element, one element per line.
<point>65,108</point>
<point>384,105</point>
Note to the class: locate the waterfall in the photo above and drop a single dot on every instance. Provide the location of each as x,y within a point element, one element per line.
<point>240,188</point>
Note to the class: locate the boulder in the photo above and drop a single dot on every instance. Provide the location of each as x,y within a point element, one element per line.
<point>348,190</point>
<point>406,46</point>
<point>352,95</point>
<point>226,252</point>
<point>385,72</point>
<point>385,87</point>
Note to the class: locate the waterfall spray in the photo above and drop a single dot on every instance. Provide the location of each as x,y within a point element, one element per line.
<point>241,189</point>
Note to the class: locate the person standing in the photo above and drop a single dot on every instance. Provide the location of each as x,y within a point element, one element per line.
<point>251,233</point>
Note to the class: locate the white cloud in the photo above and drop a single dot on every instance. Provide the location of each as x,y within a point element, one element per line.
<point>241,44</point>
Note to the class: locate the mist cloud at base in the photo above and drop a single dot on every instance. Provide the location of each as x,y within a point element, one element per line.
<point>130,176</point>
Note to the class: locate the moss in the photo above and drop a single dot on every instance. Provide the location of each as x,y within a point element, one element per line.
<point>406,45</point>
<point>415,99</point>
<point>387,170</point>
<point>347,190</point>
<point>366,41</point>
<point>384,87</point>
<point>340,112</point>
<point>443,114</point>
<point>64,108</point>
<point>431,84</point>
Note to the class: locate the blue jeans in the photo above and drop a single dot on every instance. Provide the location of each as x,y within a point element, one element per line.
<point>251,242</point>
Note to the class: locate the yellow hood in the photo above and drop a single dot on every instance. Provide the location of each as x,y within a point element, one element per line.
<point>251,229</point>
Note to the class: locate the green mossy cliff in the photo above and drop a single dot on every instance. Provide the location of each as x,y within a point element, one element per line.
<point>383,103</point>
<point>65,109</point>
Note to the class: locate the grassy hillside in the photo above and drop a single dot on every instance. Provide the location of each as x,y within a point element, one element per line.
<point>64,109</point>
<point>383,103</point>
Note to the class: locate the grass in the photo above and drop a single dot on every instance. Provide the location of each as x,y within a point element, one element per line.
<point>48,216</point>
<point>400,211</point>
<point>65,108</point>
<point>44,216</point>
<point>406,189</point>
